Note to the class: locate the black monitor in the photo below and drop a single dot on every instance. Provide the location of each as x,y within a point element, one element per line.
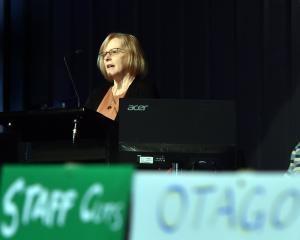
<point>195,134</point>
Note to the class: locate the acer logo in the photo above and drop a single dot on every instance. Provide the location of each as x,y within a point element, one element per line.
<point>137,107</point>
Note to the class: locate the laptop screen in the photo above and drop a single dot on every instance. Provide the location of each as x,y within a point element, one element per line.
<point>176,123</point>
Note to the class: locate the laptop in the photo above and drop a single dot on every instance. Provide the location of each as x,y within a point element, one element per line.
<point>159,132</point>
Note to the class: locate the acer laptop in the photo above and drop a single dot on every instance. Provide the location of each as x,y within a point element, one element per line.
<point>156,133</point>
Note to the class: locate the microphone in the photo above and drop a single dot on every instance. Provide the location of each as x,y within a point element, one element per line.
<point>78,51</point>
<point>76,121</point>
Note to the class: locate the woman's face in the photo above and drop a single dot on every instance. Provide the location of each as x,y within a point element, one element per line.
<point>115,59</point>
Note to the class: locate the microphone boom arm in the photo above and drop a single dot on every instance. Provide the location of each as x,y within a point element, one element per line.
<point>72,81</point>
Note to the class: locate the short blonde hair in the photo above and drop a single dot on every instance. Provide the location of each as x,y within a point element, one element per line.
<point>136,64</point>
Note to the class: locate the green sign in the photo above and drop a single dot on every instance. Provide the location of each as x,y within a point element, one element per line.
<point>64,201</point>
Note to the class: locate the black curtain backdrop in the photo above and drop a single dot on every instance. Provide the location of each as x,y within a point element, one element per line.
<point>244,50</point>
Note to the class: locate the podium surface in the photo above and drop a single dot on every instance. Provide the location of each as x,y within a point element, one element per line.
<point>54,135</point>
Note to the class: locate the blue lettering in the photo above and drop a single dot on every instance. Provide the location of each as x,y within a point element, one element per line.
<point>285,208</point>
<point>172,208</point>
<point>202,193</point>
<point>227,209</point>
<point>252,219</point>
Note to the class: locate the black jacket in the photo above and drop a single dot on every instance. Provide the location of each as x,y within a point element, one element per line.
<point>138,89</point>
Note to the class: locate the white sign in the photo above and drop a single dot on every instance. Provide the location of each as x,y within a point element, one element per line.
<point>212,206</point>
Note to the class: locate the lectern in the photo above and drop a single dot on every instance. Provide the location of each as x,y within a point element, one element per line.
<point>53,136</point>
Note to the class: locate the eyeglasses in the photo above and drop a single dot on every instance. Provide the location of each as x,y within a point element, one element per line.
<point>111,52</point>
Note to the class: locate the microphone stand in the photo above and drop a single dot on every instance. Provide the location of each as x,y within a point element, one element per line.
<point>72,82</point>
<point>76,120</point>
